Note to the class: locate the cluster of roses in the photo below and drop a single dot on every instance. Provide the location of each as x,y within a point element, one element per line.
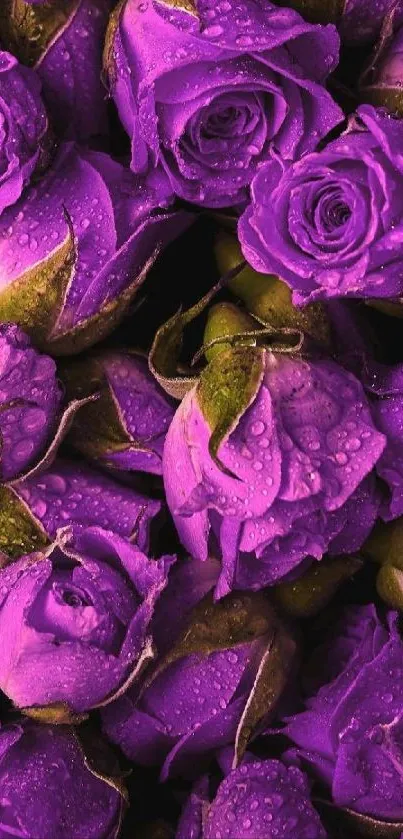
<point>173,531</point>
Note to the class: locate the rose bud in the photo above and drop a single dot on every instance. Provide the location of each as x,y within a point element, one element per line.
<point>224,89</point>
<point>63,41</point>
<point>23,138</point>
<point>81,613</point>
<point>221,677</point>
<point>76,247</point>
<point>50,790</point>
<point>351,733</point>
<point>260,799</point>
<point>328,233</point>
<point>125,427</point>
<point>32,510</point>
<point>270,456</point>
<point>30,400</point>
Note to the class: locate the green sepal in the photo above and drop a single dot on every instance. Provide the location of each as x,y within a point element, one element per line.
<point>227,387</point>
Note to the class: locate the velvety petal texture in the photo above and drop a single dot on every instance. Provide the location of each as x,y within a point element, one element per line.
<point>292,481</point>
<point>70,70</point>
<point>258,800</point>
<point>43,775</point>
<point>351,732</point>
<point>74,621</point>
<point>124,428</point>
<point>230,81</point>
<point>71,493</point>
<point>83,238</point>
<point>23,128</point>
<point>331,224</point>
<point>30,399</point>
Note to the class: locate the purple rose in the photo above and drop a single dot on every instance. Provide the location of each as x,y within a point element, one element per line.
<point>220,674</point>
<point>30,399</point>
<point>258,800</point>
<point>381,83</point>
<point>80,615</point>
<point>63,42</point>
<point>125,428</point>
<point>331,224</point>
<point>281,479</point>
<point>229,81</point>
<point>387,410</point>
<point>49,790</point>
<point>76,247</point>
<point>351,733</point>
<point>32,510</point>
<point>24,128</point>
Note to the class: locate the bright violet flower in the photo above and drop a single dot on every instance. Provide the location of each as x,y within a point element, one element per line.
<point>24,125</point>
<point>230,80</point>
<point>258,800</point>
<point>32,510</point>
<point>30,399</point>
<point>76,247</point>
<point>124,429</point>
<point>202,696</point>
<point>63,42</point>
<point>43,776</point>
<point>282,479</point>
<point>74,620</point>
<point>351,731</point>
<point>331,224</point>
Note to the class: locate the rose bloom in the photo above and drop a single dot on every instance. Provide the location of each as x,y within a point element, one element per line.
<point>194,700</point>
<point>78,244</point>
<point>331,224</point>
<point>293,478</point>
<point>49,791</point>
<point>351,732</point>
<point>74,620</point>
<point>205,90</point>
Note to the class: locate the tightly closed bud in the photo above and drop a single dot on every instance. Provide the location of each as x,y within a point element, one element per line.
<point>63,41</point>
<point>80,613</point>
<point>32,510</point>
<point>77,247</point>
<point>220,679</point>
<point>259,799</point>
<point>50,789</point>
<point>267,297</point>
<point>382,84</point>
<point>30,402</point>
<point>125,427</point>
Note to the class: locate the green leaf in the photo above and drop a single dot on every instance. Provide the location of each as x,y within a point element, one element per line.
<point>227,387</point>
